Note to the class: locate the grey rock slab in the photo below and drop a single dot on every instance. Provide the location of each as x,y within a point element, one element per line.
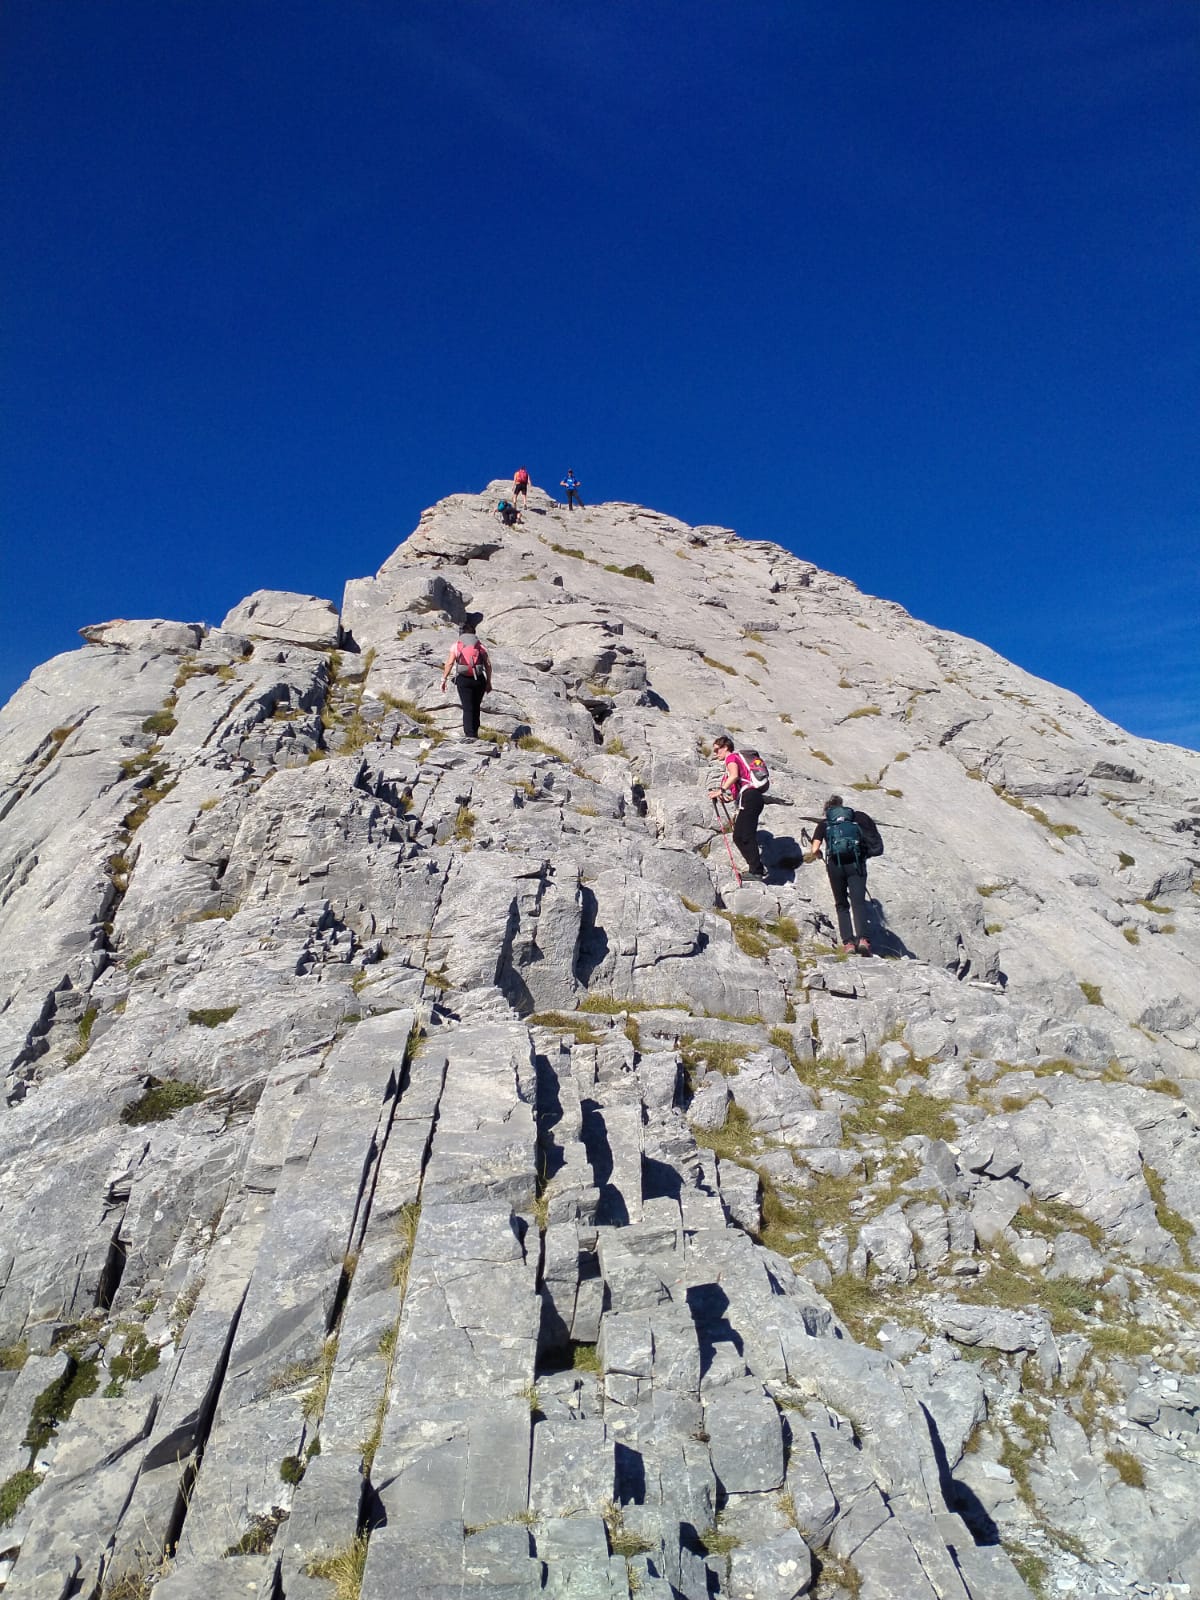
<point>890,1568</point>
<point>94,1468</point>
<point>578,1564</point>
<point>776,1569</point>
<point>573,1469</point>
<point>990,1326</point>
<point>324,1513</point>
<point>235,1577</point>
<point>745,1438</point>
<point>290,618</point>
<point>814,1502</point>
<point>239,1477</point>
<point>37,1374</point>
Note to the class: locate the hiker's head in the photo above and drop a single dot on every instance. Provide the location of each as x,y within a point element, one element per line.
<point>834,800</point>
<point>722,744</point>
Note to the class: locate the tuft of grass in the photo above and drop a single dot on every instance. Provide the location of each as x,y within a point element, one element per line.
<point>1169,1219</point>
<point>530,741</point>
<point>614,746</point>
<point>756,655</point>
<point>407,1221</point>
<point>584,1358</point>
<point>716,1055</point>
<point>160,1101</point>
<point>212,1016</point>
<point>634,571</point>
<point>1128,1467</point>
<point>580,1030</point>
<point>1124,858</point>
<point>138,1358</point>
<point>260,1535</point>
<point>711,661</point>
<point>291,1469</point>
<point>567,550</point>
<point>864,711</point>
<point>717,1543</point>
<point>14,1492</point>
<point>56,1402</point>
<point>160,723</point>
<point>819,755</point>
<point>344,1569</point>
<point>732,1141</point>
<point>13,1356</point>
<point>1159,911</point>
<point>84,1036</point>
<point>622,1541</point>
<point>747,933</point>
<point>987,890</point>
<point>1091,993</point>
<point>1132,935</point>
<point>464,824</point>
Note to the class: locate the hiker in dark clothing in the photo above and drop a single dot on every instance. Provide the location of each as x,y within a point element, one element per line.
<point>737,788</point>
<point>472,668</point>
<point>572,485</point>
<point>849,837</point>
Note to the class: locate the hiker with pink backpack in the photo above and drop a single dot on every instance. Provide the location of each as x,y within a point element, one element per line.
<point>743,785</point>
<point>472,668</point>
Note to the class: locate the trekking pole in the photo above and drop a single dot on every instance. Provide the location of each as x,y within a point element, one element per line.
<point>724,825</point>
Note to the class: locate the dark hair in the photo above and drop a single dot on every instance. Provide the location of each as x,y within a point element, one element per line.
<point>834,800</point>
<point>722,738</point>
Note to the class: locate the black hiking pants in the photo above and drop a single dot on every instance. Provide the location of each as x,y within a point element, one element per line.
<point>573,496</point>
<point>849,885</point>
<point>745,828</point>
<point>471,692</point>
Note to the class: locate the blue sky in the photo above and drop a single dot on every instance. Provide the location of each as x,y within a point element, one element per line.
<point>909,288</point>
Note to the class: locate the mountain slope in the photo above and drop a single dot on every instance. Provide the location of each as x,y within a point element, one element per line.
<point>357,1075</point>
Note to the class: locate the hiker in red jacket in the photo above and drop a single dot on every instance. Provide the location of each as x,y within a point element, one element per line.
<point>521,487</point>
<point>737,787</point>
<point>472,668</point>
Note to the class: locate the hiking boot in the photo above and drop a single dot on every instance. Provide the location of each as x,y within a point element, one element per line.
<point>864,947</point>
<point>848,947</point>
<point>753,877</point>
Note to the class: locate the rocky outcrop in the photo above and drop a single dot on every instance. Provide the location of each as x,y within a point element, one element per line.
<point>425,1171</point>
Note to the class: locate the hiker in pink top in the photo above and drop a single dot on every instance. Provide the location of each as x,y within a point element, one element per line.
<point>521,487</point>
<point>738,788</point>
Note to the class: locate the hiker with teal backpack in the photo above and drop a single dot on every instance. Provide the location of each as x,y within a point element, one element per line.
<point>850,839</point>
<point>472,668</point>
<point>743,785</point>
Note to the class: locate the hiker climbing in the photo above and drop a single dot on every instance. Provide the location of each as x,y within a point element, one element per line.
<point>743,787</point>
<point>472,668</point>
<point>850,839</point>
<point>572,485</point>
<point>521,486</point>
<point>508,513</point>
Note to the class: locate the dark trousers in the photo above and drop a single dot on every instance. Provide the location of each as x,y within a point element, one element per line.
<point>572,496</point>
<point>471,692</point>
<point>745,828</point>
<point>849,885</point>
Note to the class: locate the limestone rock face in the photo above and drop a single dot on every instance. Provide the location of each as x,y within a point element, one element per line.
<point>419,1156</point>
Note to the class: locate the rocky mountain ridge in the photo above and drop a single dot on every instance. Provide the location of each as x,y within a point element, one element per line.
<point>357,1074</point>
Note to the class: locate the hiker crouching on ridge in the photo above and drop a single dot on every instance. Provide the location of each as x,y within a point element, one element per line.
<point>850,838</point>
<point>472,669</point>
<point>739,788</point>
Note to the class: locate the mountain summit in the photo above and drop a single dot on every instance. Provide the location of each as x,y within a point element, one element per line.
<point>426,1172</point>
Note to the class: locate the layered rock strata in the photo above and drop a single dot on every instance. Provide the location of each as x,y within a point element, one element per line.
<point>425,1172</point>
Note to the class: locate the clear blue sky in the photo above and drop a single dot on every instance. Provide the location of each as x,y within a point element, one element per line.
<point>910,286</point>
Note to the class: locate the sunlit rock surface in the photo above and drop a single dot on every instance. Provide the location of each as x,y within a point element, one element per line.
<point>422,1166</point>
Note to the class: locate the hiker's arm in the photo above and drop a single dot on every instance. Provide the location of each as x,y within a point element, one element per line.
<point>449,662</point>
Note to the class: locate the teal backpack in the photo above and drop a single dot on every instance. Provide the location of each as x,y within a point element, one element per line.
<point>843,837</point>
